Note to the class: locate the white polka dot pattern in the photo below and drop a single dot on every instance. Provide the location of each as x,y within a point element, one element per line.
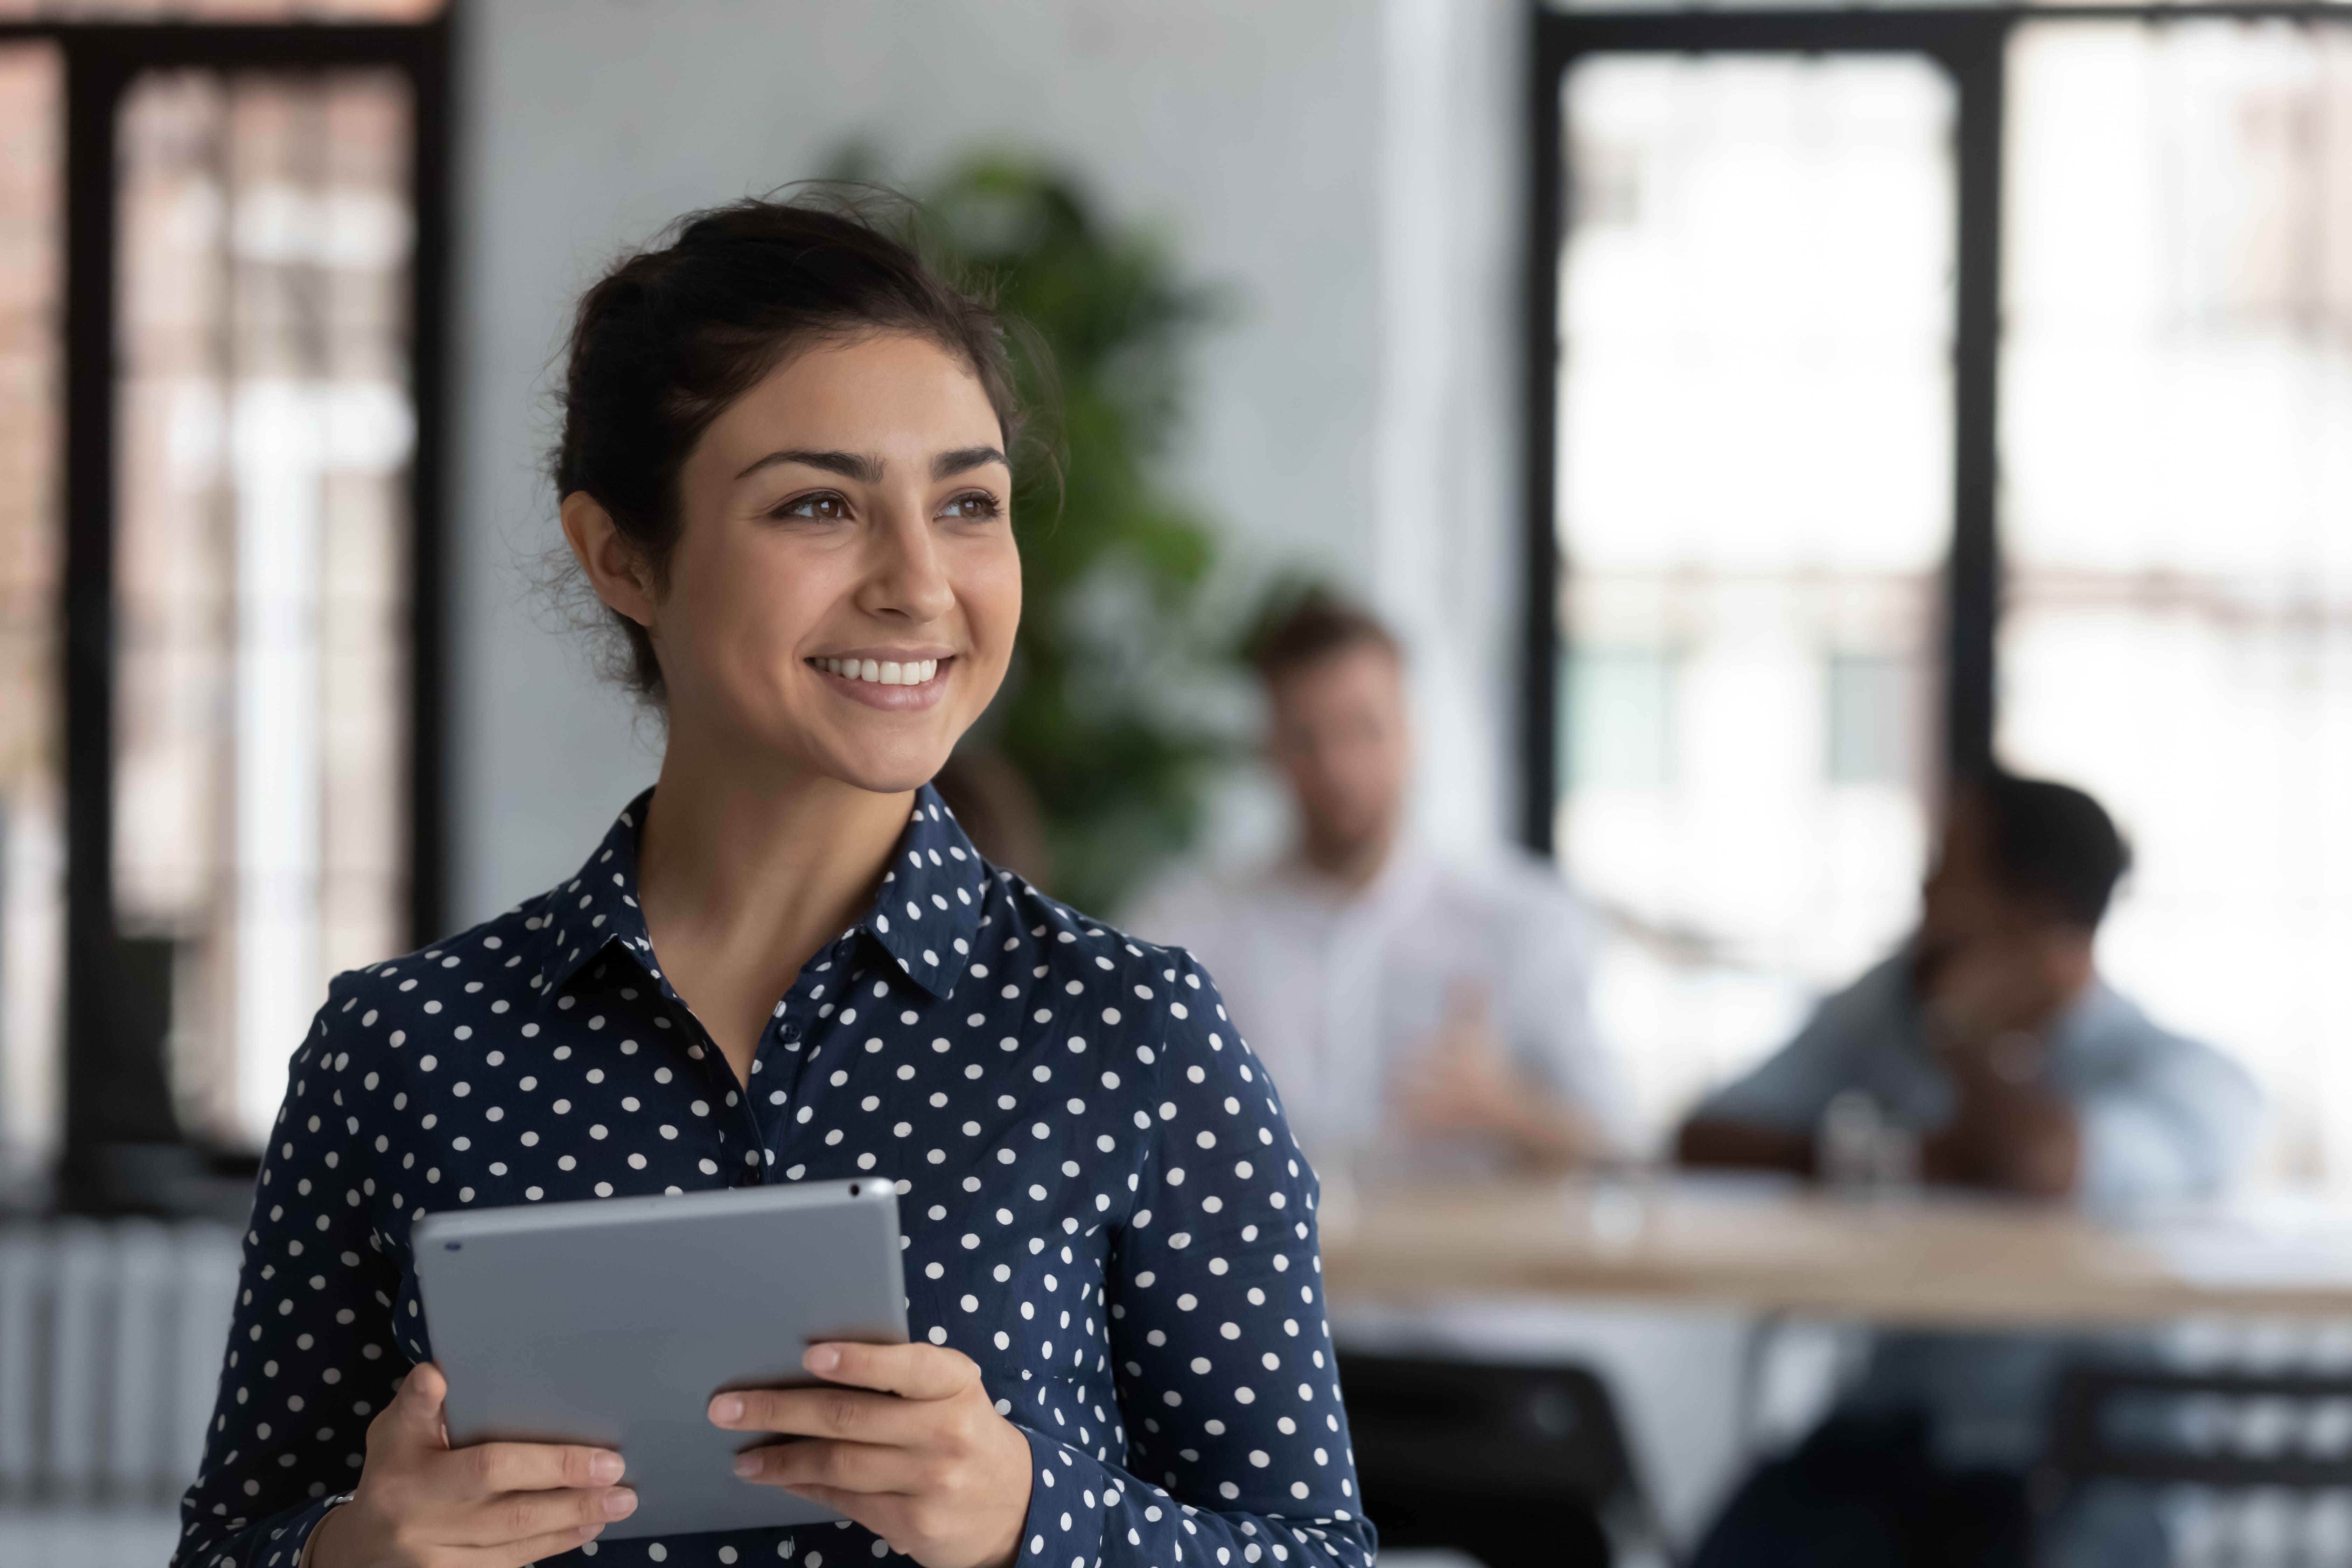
<point>1103,1203</point>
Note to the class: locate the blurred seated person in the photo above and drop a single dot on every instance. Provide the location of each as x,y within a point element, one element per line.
<point>1425,1018</point>
<point>1991,1047</point>
<point>1421,1015</point>
<point>1993,1038</point>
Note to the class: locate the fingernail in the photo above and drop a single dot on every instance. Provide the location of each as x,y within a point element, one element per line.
<point>749,1464</point>
<point>821,1358</point>
<point>726,1408</point>
<point>606,1469</point>
<point>620,1503</point>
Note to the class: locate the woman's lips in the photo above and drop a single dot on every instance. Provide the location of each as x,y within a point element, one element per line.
<point>890,698</point>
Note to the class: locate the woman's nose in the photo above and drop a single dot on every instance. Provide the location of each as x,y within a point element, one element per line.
<point>906,576</point>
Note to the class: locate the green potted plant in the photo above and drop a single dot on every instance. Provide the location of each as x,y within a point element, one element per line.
<point>1092,764</point>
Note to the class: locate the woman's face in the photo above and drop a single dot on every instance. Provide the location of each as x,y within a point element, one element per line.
<point>844,590</point>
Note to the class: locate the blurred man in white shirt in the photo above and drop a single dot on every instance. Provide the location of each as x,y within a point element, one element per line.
<point>1418,1013</point>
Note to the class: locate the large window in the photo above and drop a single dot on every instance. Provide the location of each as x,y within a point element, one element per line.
<point>32,786</point>
<point>262,558</point>
<point>1755,419</point>
<point>217,758</point>
<point>2176,457</point>
<point>1918,388</point>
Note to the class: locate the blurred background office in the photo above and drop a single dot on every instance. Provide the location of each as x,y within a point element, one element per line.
<point>1742,422</point>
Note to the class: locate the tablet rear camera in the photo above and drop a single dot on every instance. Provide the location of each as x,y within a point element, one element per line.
<point>855,1189</point>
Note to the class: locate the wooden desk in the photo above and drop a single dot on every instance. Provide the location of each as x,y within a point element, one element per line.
<point>1931,1259</point>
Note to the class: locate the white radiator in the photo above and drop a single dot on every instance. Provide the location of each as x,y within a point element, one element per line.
<point>110,1341</point>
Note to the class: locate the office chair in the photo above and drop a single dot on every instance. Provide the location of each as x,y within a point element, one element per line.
<point>1469,1441</point>
<point>2228,1431</point>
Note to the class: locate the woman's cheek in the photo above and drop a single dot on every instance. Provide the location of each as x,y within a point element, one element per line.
<point>994,603</point>
<point>771,604</point>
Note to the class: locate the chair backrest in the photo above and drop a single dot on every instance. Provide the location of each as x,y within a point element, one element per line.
<point>1486,1431</point>
<point>2231,1430</point>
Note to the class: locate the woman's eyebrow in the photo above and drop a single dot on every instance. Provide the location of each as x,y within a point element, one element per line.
<point>964,459</point>
<point>848,465</point>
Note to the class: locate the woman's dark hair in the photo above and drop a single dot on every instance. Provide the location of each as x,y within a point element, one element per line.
<point>676,332</point>
<point>2050,844</point>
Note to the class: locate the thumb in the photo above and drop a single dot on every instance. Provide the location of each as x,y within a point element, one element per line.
<point>416,1409</point>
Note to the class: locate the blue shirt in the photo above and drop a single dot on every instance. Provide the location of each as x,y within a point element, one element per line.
<point>1103,1203</point>
<point>2163,1119</point>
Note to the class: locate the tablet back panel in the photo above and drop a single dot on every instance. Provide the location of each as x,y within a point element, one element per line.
<point>614,1322</point>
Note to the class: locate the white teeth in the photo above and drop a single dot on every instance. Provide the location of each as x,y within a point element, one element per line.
<point>883,672</point>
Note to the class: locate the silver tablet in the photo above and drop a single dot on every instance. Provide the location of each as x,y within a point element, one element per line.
<point>613,1322</point>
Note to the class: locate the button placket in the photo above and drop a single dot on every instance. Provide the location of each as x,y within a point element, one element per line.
<point>787,1048</point>
<point>719,1081</point>
<point>738,1131</point>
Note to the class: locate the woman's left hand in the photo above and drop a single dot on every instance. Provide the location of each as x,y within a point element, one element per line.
<point>908,1445</point>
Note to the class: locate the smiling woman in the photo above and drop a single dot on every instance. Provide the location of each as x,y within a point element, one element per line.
<point>784,471</point>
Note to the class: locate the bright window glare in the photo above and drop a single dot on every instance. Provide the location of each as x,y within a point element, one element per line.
<point>261,727</point>
<point>1756,315</point>
<point>2177,452</point>
<point>32,804</point>
<point>1755,502</point>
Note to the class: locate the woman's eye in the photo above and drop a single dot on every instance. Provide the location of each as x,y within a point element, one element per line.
<point>973,506</point>
<point>824,504</point>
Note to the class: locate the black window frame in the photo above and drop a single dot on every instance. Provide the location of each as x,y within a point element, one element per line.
<point>1970,42</point>
<point>116,1093</point>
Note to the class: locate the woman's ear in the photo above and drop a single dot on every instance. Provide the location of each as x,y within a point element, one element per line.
<point>616,569</point>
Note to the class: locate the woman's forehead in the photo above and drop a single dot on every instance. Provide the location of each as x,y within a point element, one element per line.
<point>896,397</point>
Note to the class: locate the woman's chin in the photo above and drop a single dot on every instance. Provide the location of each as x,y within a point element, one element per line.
<point>877,750</point>
<point>893,768</point>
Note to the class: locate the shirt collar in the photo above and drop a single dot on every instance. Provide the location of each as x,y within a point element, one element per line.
<point>925,914</point>
<point>2096,1008</point>
<point>597,906</point>
<point>1406,874</point>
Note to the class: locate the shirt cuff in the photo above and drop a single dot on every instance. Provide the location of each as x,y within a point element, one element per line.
<point>284,1545</point>
<point>1069,1498</point>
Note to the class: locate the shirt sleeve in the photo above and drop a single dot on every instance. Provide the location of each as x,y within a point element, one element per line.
<point>1172,910</point>
<point>1237,1443</point>
<point>1549,1026</point>
<point>2170,1127</point>
<point>312,1354</point>
<point>1789,1092</point>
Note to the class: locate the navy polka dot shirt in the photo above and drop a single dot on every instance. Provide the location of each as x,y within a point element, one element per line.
<point>1103,1203</point>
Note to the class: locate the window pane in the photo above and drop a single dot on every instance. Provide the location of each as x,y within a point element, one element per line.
<point>32,846</point>
<point>1755,502</point>
<point>2176,445</point>
<point>1618,703</point>
<point>1874,702</point>
<point>260,810</point>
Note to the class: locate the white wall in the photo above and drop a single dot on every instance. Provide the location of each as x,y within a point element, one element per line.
<point>1343,169</point>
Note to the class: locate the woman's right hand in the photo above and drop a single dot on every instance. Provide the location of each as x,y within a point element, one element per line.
<point>422,1504</point>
